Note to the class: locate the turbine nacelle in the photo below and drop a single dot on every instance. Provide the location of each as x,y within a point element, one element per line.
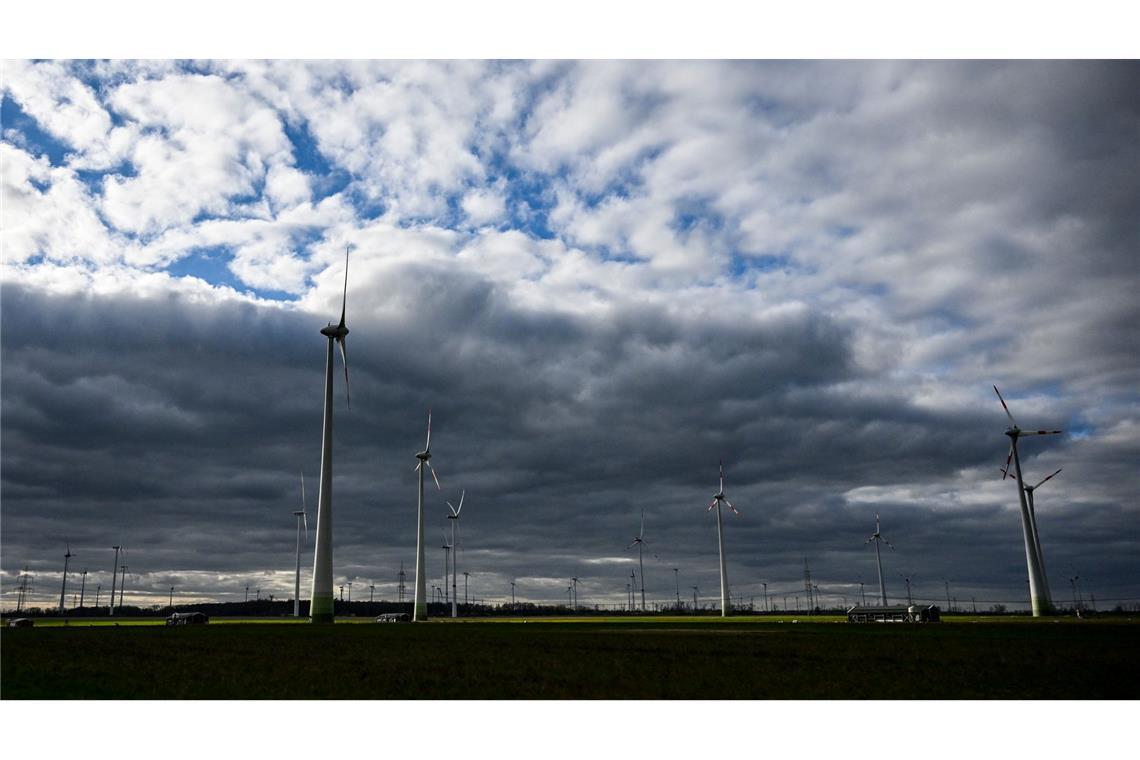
<point>335,331</point>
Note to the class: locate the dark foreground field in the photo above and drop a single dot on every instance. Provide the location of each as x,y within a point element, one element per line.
<point>582,660</point>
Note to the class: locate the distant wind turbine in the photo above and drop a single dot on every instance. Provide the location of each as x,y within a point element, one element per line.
<point>321,599</point>
<point>1029,490</point>
<point>1038,583</point>
<point>454,517</point>
<point>63,589</point>
<point>302,519</point>
<point>420,610</point>
<point>716,502</point>
<point>877,538</point>
<point>639,541</point>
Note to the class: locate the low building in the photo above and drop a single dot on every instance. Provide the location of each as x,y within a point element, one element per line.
<point>188,618</point>
<point>394,617</point>
<point>899,614</point>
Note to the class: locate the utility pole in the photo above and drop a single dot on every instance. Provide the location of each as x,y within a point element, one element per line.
<point>628,605</point>
<point>465,602</point>
<point>350,592</point>
<point>974,602</point>
<point>947,582</point>
<point>807,585</point>
<point>23,589</point>
<point>765,585</point>
<point>512,593</point>
<point>111,608</point>
<point>341,592</point>
<point>574,580</point>
<point>862,593</point>
<point>569,596</point>
<point>98,589</point>
<point>82,588</point>
<point>909,601</point>
<point>371,593</point>
<point>247,592</point>
<point>677,583</point>
<point>785,602</point>
<point>633,589</point>
<point>694,598</point>
<point>401,578</point>
<point>170,604</point>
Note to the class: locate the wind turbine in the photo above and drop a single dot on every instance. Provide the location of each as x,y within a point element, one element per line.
<point>114,573</point>
<point>639,541</point>
<point>454,517</point>
<point>321,599</point>
<point>447,547</point>
<point>63,589</point>
<point>877,538</point>
<point>82,588</point>
<point>302,518</point>
<point>716,502</point>
<point>420,610</point>
<point>1038,584</point>
<point>1033,517</point>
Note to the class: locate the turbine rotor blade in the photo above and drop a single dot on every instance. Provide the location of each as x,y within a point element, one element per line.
<point>427,446</point>
<point>1023,433</point>
<point>344,357</point>
<point>710,507</point>
<point>1012,421</point>
<point>1048,478</point>
<point>1008,459</point>
<point>642,532</point>
<point>302,489</point>
<point>433,477</point>
<point>729,503</point>
<point>462,495</point>
<point>344,297</point>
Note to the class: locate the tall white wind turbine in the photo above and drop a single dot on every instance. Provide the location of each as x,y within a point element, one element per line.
<point>302,518</point>
<point>454,517</point>
<point>1038,585</point>
<point>639,541</point>
<point>877,538</point>
<point>420,610</point>
<point>321,599</point>
<point>716,502</point>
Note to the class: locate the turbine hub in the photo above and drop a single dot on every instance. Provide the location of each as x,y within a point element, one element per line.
<point>1013,432</point>
<point>424,455</point>
<point>335,331</point>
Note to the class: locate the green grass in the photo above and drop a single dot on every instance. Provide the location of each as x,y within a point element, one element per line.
<point>622,658</point>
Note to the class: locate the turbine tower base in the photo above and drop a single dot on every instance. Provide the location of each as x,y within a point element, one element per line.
<point>321,609</point>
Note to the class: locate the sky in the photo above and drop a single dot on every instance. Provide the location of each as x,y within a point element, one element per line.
<point>603,278</point>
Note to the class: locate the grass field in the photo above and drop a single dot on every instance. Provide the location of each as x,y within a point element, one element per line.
<point>620,658</point>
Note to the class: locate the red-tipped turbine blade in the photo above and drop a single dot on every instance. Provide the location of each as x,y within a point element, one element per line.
<point>433,477</point>
<point>1008,459</point>
<point>729,503</point>
<point>1048,478</point>
<point>1039,432</point>
<point>710,508</point>
<point>1012,422</point>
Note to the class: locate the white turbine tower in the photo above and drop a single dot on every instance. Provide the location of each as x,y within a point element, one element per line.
<point>716,502</point>
<point>454,517</point>
<point>1038,585</point>
<point>420,610</point>
<point>321,599</point>
<point>639,541</point>
<point>877,538</point>
<point>302,518</point>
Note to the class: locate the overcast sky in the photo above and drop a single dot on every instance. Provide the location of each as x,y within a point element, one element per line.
<point>603,278</point>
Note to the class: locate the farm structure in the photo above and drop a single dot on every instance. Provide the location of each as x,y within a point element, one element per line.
<point>899,614</point>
